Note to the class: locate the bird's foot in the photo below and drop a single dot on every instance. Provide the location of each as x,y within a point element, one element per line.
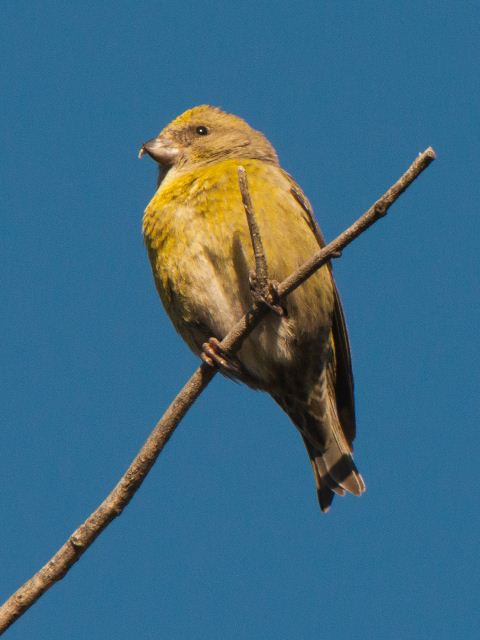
<point>214,355</point>
<point>267,295</point>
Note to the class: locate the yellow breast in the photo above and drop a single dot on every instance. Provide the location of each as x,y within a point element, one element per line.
<point>199,246</point>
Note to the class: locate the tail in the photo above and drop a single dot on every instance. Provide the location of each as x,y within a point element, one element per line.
<point>328,447</point>
<point>334,473</point>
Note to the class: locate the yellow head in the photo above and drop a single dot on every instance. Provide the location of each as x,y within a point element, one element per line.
<point>204,135</point>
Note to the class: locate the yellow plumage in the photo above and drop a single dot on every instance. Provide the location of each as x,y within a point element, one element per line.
<point>199,246</point>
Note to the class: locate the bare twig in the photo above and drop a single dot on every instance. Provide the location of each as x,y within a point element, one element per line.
<point>261,269</point>
<point>376,211</point>
<point>121,495</point>
<point>263,289</point>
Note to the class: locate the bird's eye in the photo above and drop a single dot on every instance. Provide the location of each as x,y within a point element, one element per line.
<point>201,130</point>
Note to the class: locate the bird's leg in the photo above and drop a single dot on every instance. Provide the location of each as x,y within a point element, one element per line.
<point>267,295</point>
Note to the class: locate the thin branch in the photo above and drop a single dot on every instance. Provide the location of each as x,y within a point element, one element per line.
<point>121,495</point>
<point>376,211</point>
<point>263,290</point>
<point>261,269</point>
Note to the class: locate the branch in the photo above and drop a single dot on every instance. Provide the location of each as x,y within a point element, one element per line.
<point>263,290</point>
<point>121,495</point>
<point>261,269</point>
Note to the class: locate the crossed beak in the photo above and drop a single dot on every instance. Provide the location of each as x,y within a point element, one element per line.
<point>161,150</point>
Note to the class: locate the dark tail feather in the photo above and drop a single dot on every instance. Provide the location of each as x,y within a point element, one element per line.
<point>338,466</point>
<point>327,487</point>
<point>337,455</point>
<point>329,450</point>
<point>325,494</point>
<point>325,498</point>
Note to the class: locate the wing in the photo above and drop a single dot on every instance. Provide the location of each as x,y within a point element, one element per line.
<point>342,364</point>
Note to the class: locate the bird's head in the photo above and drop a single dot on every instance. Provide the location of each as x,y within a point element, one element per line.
<point>204,135</point>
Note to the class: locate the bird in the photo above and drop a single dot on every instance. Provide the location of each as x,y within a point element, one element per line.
<point>198,242</point>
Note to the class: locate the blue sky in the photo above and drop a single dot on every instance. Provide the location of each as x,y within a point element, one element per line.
<point>225,539</point>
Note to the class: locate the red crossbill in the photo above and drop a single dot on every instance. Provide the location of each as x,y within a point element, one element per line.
<point>201,254</point>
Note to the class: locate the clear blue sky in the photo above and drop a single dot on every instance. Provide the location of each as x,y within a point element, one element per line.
<point>225,539</point>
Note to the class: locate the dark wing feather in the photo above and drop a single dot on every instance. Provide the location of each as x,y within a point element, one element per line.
<point>343,364</point>
<point>344,373</point>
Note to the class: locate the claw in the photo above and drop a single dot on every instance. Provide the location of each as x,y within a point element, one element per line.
<point>213,355</point>
<point>268,295</point>
<point>274,302</point>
